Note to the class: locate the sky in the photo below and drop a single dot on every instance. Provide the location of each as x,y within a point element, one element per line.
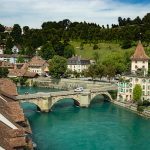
<point>34,12</point>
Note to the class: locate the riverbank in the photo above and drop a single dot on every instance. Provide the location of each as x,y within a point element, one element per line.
<point>133,108</point>
<point>68,84</point>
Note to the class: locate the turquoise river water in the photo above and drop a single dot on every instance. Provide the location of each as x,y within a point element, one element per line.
<point>102,126</point>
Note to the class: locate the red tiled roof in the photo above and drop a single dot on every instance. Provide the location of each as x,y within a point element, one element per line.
<point>6,64</point>
<point>37,61</point>
<point>139,53</point>
<point>21,73</point>
<point>7,86</point>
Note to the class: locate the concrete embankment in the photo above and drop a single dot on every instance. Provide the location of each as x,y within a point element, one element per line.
<point>133,108</point>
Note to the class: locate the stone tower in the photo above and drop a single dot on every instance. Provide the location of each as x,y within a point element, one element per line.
<point>139,59</point>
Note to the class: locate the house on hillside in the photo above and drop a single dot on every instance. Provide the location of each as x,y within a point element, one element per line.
<point>38,65</point>
<point>76,63</point>
<point>15,49</point>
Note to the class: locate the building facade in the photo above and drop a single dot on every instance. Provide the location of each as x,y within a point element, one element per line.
<point>139,61</point>
<point>78,64</point>
<point>38,65</point>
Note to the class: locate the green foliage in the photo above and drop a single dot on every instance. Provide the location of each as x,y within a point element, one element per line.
<point>126,44</point>
<point>2,28</point>
<point>137,92</point>
<point>20,59</point>
<point>76,74</point>
<point>91,72</point>
<point>146,103</point>
<point>140,108</point>
<point>69,51</point>
<point>3,72</point>
<point>47,51</point>
<point>16,33</point>
<point>58,66</point>
<point>95,46</point>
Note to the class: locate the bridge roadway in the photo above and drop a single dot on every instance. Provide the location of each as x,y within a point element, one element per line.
<point>45,101</point>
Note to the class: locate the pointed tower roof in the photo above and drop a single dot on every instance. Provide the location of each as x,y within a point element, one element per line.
<point>139,53</point>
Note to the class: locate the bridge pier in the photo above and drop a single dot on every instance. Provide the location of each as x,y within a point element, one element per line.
<point>85,99</point>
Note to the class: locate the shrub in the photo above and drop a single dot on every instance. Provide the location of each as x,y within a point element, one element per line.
<point>140,108</point>
<point>146,103</point>
<point>95,47</point>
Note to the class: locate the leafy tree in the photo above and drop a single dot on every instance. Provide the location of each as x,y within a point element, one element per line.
<point>2,28</point>
<point>16,33</point>
<point>137,92</point>
<point>9,45</point>
<point>47,51</point>
<point>58,66</point>
<point>25,30</point>
<point>20,59</point>
<point>100,70</point>
<point>3,72</point>
<point>91,72</point>
<point>126,44</point>
<point>69,51</point>
<point>95,46</point>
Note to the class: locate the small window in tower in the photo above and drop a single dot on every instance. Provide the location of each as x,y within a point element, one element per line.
<point>136,66</point>
<point>143,62</point>
<point>135,61</point>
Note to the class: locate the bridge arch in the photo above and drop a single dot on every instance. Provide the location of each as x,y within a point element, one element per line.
<point>57,99</point>
<point>34,103</point>
<point>105,94</point>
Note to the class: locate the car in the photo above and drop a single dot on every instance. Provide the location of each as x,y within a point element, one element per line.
<point>79,89</point>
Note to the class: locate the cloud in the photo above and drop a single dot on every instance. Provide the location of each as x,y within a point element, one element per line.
<point>35,12</point>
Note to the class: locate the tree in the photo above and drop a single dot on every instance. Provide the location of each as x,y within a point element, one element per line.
<point>47,51</point>
<point>20,59</point>
<point>137,92</point>
<point>16,33</point>
<point>100,70</point>
<point>2,28</point>
<point>91,72</point>
<point>69,51</point>
<point>58,66</point>
<point>3,72</point>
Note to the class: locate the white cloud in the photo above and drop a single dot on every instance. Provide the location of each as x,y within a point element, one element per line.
<point>35,12</point>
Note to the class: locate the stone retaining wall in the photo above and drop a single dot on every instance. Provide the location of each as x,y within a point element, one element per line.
<point>68,84</point>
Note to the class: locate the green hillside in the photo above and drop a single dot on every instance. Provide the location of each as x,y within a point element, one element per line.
<point>104,49</point>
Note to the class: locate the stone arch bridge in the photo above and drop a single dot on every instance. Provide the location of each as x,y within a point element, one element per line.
<point>45,101</point>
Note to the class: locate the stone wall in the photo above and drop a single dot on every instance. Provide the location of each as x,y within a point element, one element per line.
<point>67,84</point>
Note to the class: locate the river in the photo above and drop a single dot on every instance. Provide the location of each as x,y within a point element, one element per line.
<point>102,126</point>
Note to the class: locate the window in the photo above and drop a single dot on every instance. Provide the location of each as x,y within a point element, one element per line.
<point>143,87</point>
<point>135,61</point>
<point>143,62</point>
<point>143,93</point>
<point>136,66</point>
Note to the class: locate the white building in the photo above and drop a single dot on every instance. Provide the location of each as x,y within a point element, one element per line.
<point>76,63</point>
<point>15,49</point>
<point>127,83</point>
<point>12,58</point>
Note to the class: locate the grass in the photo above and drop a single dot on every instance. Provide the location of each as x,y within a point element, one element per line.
<point>104,49</point>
